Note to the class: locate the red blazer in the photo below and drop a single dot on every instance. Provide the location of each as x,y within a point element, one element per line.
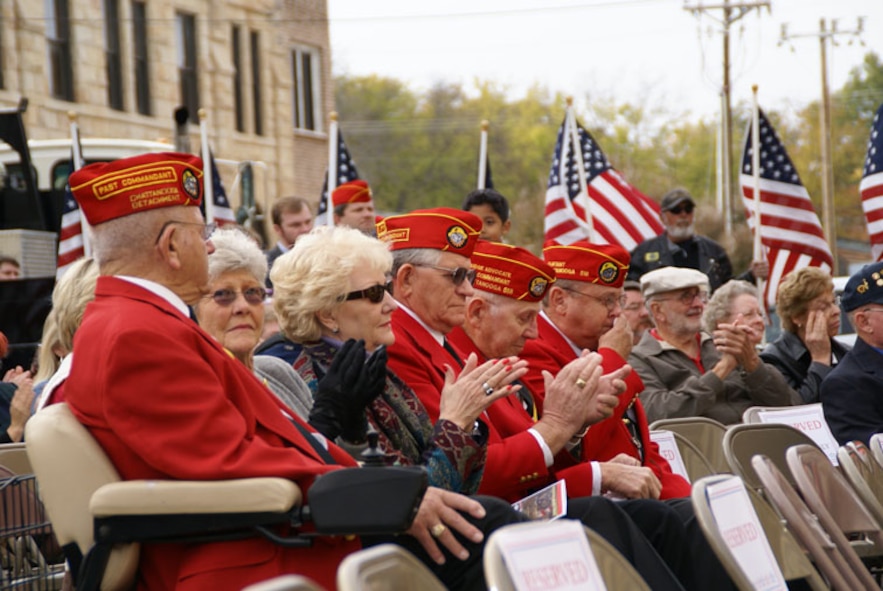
<point>515,465</point>
<point>166,401</point>
<point>418,359</point>
<point>550,351</point>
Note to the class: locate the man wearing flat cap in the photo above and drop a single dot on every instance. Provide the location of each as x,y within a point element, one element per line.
<point>166,401</point>
<point>852,394</point>
<point>680,246</point>
<point>687,372</point>
<point>354,206</point>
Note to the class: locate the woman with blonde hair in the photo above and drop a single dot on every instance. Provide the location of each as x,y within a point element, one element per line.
<point>331,293</point>
<point>806,351</point>
<point>72,293</point>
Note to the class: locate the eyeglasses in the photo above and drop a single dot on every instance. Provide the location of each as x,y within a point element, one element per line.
<point>252,295</point>
<point>207,229</point>
<point>687,297</point>
<point>610,302</point>
<point>373,294</point>
<point>825,306</point>
<point>458,274</point>
<point>679,209</point>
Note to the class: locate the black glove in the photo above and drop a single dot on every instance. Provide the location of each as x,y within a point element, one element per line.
<point>346,391</point>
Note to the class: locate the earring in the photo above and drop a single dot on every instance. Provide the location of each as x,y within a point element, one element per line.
<point>335,330</point>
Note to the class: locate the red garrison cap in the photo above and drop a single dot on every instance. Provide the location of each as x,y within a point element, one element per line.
<point>604,264</point>
<point>511,271</point>
<point>356,191</point>
<point>110,190</point>
<point>443,228</point>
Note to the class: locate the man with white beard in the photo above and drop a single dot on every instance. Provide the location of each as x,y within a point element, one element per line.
<point>680,246</point>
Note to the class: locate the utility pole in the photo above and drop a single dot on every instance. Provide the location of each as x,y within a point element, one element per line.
<point>824,35</point>
<point>732,12</point>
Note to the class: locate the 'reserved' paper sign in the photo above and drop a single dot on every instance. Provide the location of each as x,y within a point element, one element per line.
<point>668,449</point>
<point>554,557</point>
<point>740,527</point>
<point>808,418</point>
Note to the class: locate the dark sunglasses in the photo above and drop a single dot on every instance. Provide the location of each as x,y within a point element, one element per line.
<point>688,207</point>
<point>252,295</point>
<point>458,274</point>
<point>373,294</point>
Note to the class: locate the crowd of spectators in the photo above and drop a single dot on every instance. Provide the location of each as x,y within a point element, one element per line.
<point>499,371</point>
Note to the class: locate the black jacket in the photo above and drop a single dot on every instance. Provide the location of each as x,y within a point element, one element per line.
<point>657,252</point>
<point>790,356</point>
<point>852,395</point>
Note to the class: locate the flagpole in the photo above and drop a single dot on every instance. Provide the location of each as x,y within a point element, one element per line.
<point>482,155</point>
<point>333,141</point>
<point>755,171</point>
<point>77,156</point>
<point>208,183</point>
<point>571,130</point>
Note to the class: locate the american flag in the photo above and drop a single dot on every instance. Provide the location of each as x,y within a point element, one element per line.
<point>222,213</point>
<point>620,214</point>
<point>790,229</point>
<point>72,235</point>
<point>346,172</point>
<point>871,187</point>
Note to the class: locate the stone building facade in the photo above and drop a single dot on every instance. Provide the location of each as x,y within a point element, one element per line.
<point>261,69</point>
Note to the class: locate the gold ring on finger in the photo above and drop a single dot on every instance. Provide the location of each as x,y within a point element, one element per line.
<point>438,529</point>
<point>580,383</point>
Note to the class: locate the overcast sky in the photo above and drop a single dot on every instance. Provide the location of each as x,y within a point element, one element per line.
<point>649,52</point>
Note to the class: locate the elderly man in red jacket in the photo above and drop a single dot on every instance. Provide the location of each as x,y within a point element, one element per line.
<point>501,320</point>
<point>166,401</point>
<point>583,310</point>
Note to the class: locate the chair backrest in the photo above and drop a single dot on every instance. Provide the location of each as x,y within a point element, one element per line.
<point>837,507</point>
<point>876,446</point>
<point>743,442</point>
<point>70,466</point>
<point>616,571</point>
<point>14,457</point>
<point>386,567</point>
<point>805,526</point>
<point>693,461</point>
<point>865,476</point>
<point>790,557</point>
<point>285,583</point>
<point>706,434</point>
<point>807,418</point>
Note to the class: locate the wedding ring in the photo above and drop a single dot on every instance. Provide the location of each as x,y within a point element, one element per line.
<point>580,383</point>
<point>487,389</point>
<point>438,529</point>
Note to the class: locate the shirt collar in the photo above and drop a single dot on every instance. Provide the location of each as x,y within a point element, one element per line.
<point>159,290</point>
<point>439,337</point>
<point>573,346</point>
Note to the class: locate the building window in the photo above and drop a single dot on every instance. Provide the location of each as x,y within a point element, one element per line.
<point>112,54</point>
<point>256,83</point>
<point>307,100</point>
<point>139,51</point>
<point>185,25</point>
<point>238,107</point>
<point>58,38</point>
